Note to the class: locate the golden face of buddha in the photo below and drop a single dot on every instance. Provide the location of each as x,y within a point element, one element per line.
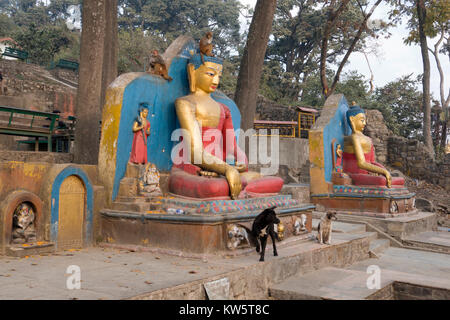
<point>358,122</point>
<point>207,77</point>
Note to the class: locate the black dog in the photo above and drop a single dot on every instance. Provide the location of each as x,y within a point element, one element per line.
<point>263,227</point>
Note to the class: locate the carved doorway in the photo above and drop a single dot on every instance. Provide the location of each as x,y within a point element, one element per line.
<point>72,208</point>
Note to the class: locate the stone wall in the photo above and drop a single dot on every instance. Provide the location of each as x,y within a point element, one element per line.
<point>269,110</point>
<point>407,155</point>
<point>377,130</point>
<point>412,158</point>
<point>31,87</point>
<point>34,88</point>
<point>293,157</point>
<point>26,156</point>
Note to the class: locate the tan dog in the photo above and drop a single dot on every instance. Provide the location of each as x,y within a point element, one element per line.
<point>325,227</point>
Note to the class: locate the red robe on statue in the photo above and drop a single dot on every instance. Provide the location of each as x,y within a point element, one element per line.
<point>139,147</point>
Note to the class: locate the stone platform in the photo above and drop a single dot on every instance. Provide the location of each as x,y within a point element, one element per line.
<point>368,201</point>
<point>199,231</point>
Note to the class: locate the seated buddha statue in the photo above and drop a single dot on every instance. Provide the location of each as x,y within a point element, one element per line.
<point>359,155</point>
<point>217,168</point>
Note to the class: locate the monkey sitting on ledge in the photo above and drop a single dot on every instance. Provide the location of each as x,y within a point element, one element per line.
<point>206,45</point>
<point>158,66</point>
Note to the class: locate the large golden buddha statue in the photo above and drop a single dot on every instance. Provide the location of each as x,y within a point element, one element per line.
<point>359,155</point>
<point>210,174</point>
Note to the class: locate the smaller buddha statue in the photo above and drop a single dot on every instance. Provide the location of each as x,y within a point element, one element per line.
<point>141,129</point>
<point>359,155</point>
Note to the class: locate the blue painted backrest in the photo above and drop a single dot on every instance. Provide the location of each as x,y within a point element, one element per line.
<point>336,128</point>
<point>160,96</point>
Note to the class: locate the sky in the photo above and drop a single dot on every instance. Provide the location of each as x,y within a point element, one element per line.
<point>394,58</point>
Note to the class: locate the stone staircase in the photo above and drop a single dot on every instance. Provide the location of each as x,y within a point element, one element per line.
<point>404,274</point>
<point>377,245</point>
<point>418,231</point>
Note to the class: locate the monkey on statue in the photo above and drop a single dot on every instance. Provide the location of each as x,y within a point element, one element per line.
<point>206,45</point>
<point>158,65</point>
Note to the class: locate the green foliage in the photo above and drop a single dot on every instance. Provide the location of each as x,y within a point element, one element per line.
<point>42,43</point>
<point>40,29</point>
<point>400,102</point>
<point>6,25</point>
<point>294,49</point>
<point>165,20</point>
<point>437,17</point>
<point>134,50</point>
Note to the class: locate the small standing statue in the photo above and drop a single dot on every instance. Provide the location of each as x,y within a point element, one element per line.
<point>141,129</point>
<point>158,65</point>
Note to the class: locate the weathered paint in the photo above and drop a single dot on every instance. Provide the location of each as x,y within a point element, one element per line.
<point>331,125</point>
<point>337,128</point>
<point>68,171</point>
<point>123,99</point>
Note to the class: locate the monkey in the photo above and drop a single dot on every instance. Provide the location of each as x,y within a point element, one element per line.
<point>206,45</point>
<point>159,65</point>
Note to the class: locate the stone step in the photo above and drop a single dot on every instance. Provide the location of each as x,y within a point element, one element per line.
<point>299,191</point>
<point>21,251</point>
<point>325,284</point>
<point>437,241</point>
<point>133,199</point>
<point>342,226</point>
<point>378,246</point>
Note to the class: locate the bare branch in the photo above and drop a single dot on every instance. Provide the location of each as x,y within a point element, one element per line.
<point>362,27</point>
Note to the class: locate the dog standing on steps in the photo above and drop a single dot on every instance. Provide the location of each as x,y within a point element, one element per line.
<point>263,227</point>
<point>324,227</point>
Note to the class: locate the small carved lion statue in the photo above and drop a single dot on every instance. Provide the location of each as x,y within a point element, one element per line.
<point>236,235</point>
<point>300,224</point>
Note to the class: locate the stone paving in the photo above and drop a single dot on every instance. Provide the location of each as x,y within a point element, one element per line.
<point>403,265</point>
<point>108,273</point>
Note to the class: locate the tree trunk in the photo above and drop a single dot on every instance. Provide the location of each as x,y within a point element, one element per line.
<point>111,48</point>
<point>88,107</point>
<point>426,104</point>
<point>252,61</point>
<point>331,23</point>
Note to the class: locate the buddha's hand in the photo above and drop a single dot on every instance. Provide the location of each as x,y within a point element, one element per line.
<point>241,167</point>
<point>234,181</point>
<point>388,179</point>
<point>208,173</point>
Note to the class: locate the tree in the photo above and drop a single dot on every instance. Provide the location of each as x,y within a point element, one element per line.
<point>165,20</point>
<point>294,49</point>
<point>425,19</point>
<point>333,18</point>
<point>42,43</point>
<point>252,61</point>
<point>88,105</point>
<point>400,103</point>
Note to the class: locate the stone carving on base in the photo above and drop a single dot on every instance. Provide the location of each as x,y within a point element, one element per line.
<point>300,225</point>
<point>236,236</point>
<point>149,180</point>
<point>23,224</point>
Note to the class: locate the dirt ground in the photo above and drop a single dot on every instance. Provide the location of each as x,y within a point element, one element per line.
<point>433,193</point>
